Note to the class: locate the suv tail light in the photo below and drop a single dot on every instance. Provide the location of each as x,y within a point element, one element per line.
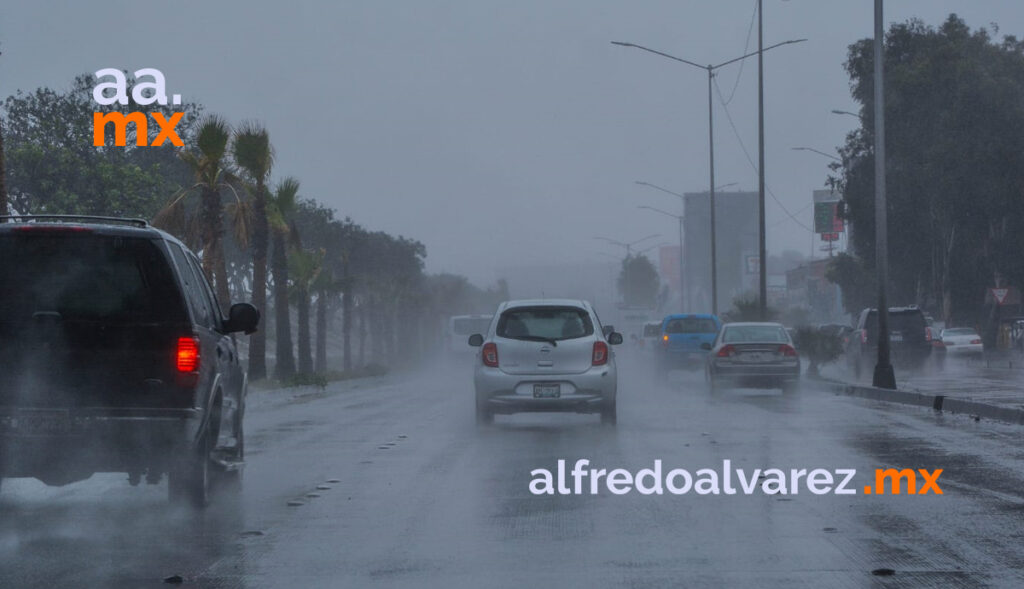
<point>787,350</point>
<point>664,341</point>
<point>726,351</point>
<point>489,353</point>
<point>187,354</point>
<point>600,355</point>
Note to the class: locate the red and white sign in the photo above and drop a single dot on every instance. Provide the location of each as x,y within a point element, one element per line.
<point>999,294</point>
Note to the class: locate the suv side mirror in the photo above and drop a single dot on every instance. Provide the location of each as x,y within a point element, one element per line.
<point>476,340</point>
<point>615,338</point>
<point>242,317</point>
<point>705,346</point>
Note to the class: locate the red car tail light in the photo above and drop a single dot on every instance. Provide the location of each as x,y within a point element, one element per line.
<point>863,336</point>
<point>489,354</point>
<point>726,351</point>
<point>927,334</point>
<point>787,350</point>
<point>975,341</point>
<point>187,354</point>
<point>600,355</point>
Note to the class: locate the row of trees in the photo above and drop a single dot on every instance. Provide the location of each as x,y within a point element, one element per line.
<point>954,117</point>
<point>258,238</point>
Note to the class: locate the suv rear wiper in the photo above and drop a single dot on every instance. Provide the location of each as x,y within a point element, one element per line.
<point>537,338</point>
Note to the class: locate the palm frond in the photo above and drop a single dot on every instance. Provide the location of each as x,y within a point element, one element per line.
<point>252,150</point>
<point>287,195</point>
<point>212,138</point>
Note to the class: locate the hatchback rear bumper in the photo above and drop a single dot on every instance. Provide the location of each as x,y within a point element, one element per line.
<point>585,392</point>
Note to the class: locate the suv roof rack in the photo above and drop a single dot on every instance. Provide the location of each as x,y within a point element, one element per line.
<point>63,218</point>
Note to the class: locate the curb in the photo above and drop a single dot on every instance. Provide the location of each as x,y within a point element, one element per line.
<point>936,402</point>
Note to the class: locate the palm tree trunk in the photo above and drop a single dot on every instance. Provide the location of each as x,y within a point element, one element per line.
<point>305,353</point>
<point>321,333</point>
<point>258,340</point>
<point>362,333</point>
<point>285,366</point>
<point>214,265</point>
<point>346,328</point>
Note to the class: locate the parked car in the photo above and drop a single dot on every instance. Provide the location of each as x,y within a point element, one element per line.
<point>457,332</point>
<point>115,357</point>
<point>545,355</point>
<point>961,341</point>
<point>682,338</point>
<point>909,339</point>
<point>759,355</point>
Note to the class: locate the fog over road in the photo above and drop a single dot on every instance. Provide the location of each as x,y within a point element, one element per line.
<point>425,498</point>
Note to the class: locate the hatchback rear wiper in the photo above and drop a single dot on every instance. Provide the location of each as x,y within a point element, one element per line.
<point>537,338</point>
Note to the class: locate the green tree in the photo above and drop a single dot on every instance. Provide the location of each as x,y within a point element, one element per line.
<point>279,210</point>
<point>638,282</point>
<point>954,160</point>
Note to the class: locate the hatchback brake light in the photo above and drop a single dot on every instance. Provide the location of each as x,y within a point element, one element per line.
<point>787,350</point>
<point>187,354</point>
<point>600,355</point>
<point>726,351</point>
<point>489,354</point>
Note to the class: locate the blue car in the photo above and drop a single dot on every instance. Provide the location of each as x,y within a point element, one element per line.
<point>682,335</point>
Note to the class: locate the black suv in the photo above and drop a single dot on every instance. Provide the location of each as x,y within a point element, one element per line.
<point>115,357</point>
<point>909,339</point>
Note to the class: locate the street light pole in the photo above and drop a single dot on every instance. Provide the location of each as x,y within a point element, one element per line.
<point>884,376</point>
<point>711,156</point>
<point>761,246</point>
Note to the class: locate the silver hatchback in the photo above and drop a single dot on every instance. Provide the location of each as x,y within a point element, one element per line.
<point>545,355</point>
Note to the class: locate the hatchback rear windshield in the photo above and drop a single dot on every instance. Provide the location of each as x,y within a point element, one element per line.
<point>691,325</point>
<point>85,277</point>
<point>755,334</point>
<point>552,323</point>
<point>470,325</point>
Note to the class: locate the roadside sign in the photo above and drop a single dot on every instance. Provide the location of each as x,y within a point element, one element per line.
<point>999,294</point>
<point>830,236</point>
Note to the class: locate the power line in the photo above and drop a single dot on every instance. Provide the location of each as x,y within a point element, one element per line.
<point>743,147</point>
<point>746,46</point>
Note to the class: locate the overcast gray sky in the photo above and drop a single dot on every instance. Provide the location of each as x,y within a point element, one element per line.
<point>497,133</point>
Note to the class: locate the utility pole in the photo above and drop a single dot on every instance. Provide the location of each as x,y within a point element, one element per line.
<point>761,247</point>
<point>883,376</point>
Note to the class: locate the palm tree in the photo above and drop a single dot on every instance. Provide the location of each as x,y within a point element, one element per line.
<point>279,213</point>
<point>255,156</point>
<point>305,267</point>
<point>205,228</point>
<point>3,175</point>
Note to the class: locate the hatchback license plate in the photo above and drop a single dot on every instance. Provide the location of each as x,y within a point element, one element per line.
<point>546,391</point>
<point>43,422</point>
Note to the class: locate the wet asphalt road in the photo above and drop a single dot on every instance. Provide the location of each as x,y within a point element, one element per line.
<point>424,498</point>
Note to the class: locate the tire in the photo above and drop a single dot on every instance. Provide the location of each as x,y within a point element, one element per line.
<point>610,414</point>
<point>189,481</point>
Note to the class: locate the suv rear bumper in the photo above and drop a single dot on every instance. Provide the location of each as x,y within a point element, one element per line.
<point>63,445</point>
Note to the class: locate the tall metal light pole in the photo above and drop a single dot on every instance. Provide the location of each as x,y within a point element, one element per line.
<point>682,203</point>
<point>884,377</point>
<point>680,219</point>
<point>710,69</point>
<point>762,250</point>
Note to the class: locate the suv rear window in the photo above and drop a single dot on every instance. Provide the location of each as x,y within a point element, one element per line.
<point>909,323</point>
<point>86,277</point>
<point>691,325</point>
<point>549,323</point>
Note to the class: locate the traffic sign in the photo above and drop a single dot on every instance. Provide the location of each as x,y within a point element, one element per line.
<point>999,294</point>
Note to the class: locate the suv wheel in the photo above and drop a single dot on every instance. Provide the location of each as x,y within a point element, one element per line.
<point>189,480</point>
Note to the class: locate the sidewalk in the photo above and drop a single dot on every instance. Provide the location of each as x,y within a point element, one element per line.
<point>960,385</point>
